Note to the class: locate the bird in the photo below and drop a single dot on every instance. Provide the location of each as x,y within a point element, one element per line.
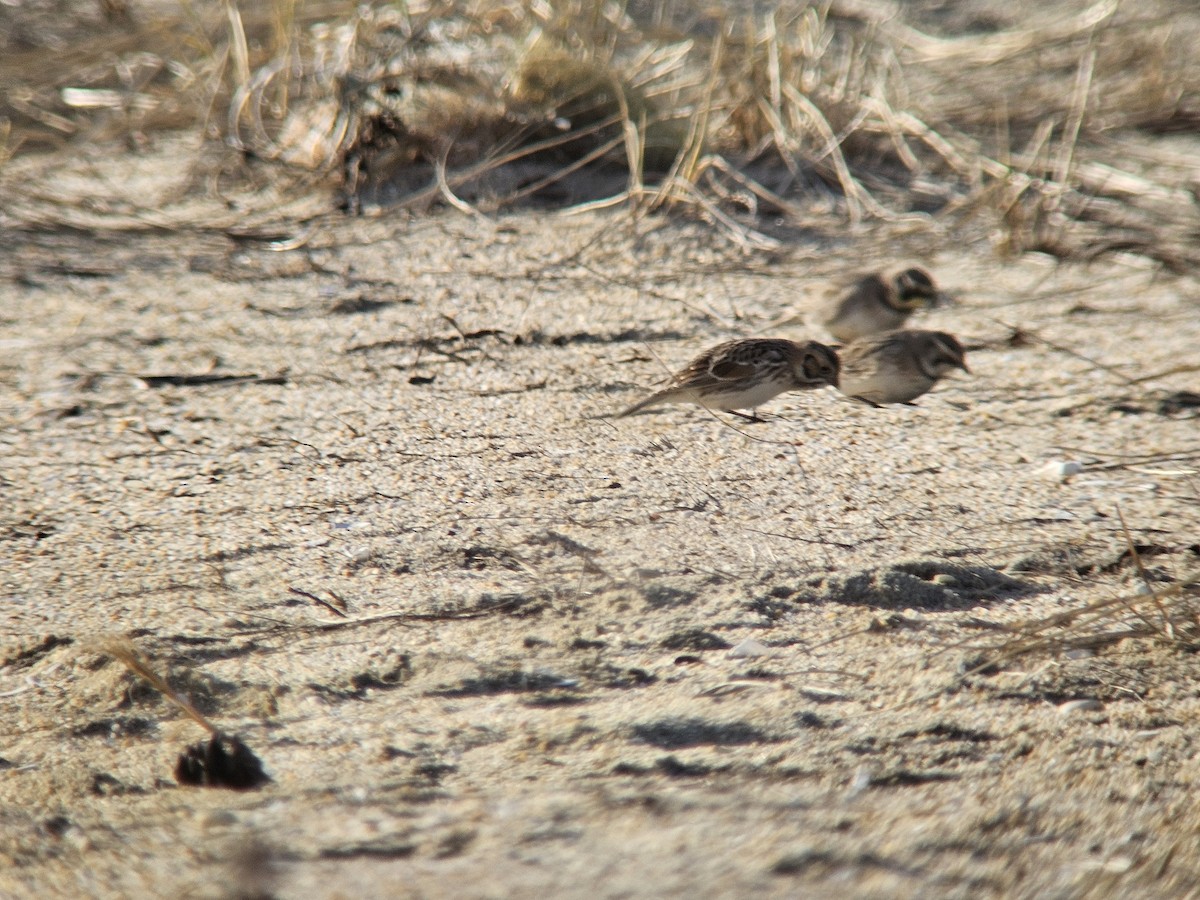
<point>876,302</point>
<point>899,366</point>
<point>746,373</point>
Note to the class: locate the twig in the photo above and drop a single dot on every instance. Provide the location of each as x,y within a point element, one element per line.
<point>1037,336</point>
<point>1083,83</point>
<point>439,169</point>
<point>1145,576</point>
<point>404,617</point>
<point>313,597</point>
<point>124,651</point>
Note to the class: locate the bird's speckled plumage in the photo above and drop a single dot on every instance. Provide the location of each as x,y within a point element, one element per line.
<point>879,302</point>
<point>745,373</point>
<point>900,366</point>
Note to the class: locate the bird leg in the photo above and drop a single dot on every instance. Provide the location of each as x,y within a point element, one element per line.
<point>749,418</point>
<point>870,403</point>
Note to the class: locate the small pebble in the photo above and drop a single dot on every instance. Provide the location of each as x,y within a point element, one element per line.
<point>78,839</point>
<point>748,649</point>
<point>1061,469</point>
<point>860,782</point>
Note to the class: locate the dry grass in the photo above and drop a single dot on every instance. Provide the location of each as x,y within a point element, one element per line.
<point>1164,614</point>
<point>1016,129</point>
<point>1163,609</point>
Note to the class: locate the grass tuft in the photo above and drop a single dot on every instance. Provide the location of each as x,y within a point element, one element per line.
<point>1042,134</point>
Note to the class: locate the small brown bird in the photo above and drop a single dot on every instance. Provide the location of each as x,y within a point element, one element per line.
<point>746,373</point>
<point>878,302</point>
<point>881,301</point>
<point>900,366</point>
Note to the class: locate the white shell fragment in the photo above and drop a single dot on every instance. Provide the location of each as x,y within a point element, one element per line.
<point>1061,469</point>
<point>860,782</point>
<point>1089,704</point>
<point>749,649</point>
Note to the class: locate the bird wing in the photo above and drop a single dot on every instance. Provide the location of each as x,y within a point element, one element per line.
<point>744,359</point>
<point>861,351</point>
<point>713,368</point>
<point>730,369</point>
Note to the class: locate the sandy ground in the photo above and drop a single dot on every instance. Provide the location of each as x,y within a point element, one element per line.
<point>535,688</point>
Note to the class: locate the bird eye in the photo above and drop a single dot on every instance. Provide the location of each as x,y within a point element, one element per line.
<point>916,283</point>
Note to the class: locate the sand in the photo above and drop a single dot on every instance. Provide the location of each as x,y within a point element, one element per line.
<point>358,496</point>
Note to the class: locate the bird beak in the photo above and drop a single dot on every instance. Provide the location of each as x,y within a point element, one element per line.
<point>963,365</point>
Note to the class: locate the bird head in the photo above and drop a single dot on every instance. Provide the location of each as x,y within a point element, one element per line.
<point>942,353</point>
<point>818,364</point>
<point>915,289</point>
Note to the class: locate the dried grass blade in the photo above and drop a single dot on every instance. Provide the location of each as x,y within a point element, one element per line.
<point>123,651</point>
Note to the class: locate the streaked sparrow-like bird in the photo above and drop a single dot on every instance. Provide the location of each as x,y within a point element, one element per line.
<point>878,302</point>
<point>746,373</point>
<point>899,366</point>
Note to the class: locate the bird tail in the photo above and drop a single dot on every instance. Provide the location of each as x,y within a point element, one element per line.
<point>653,400</point>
